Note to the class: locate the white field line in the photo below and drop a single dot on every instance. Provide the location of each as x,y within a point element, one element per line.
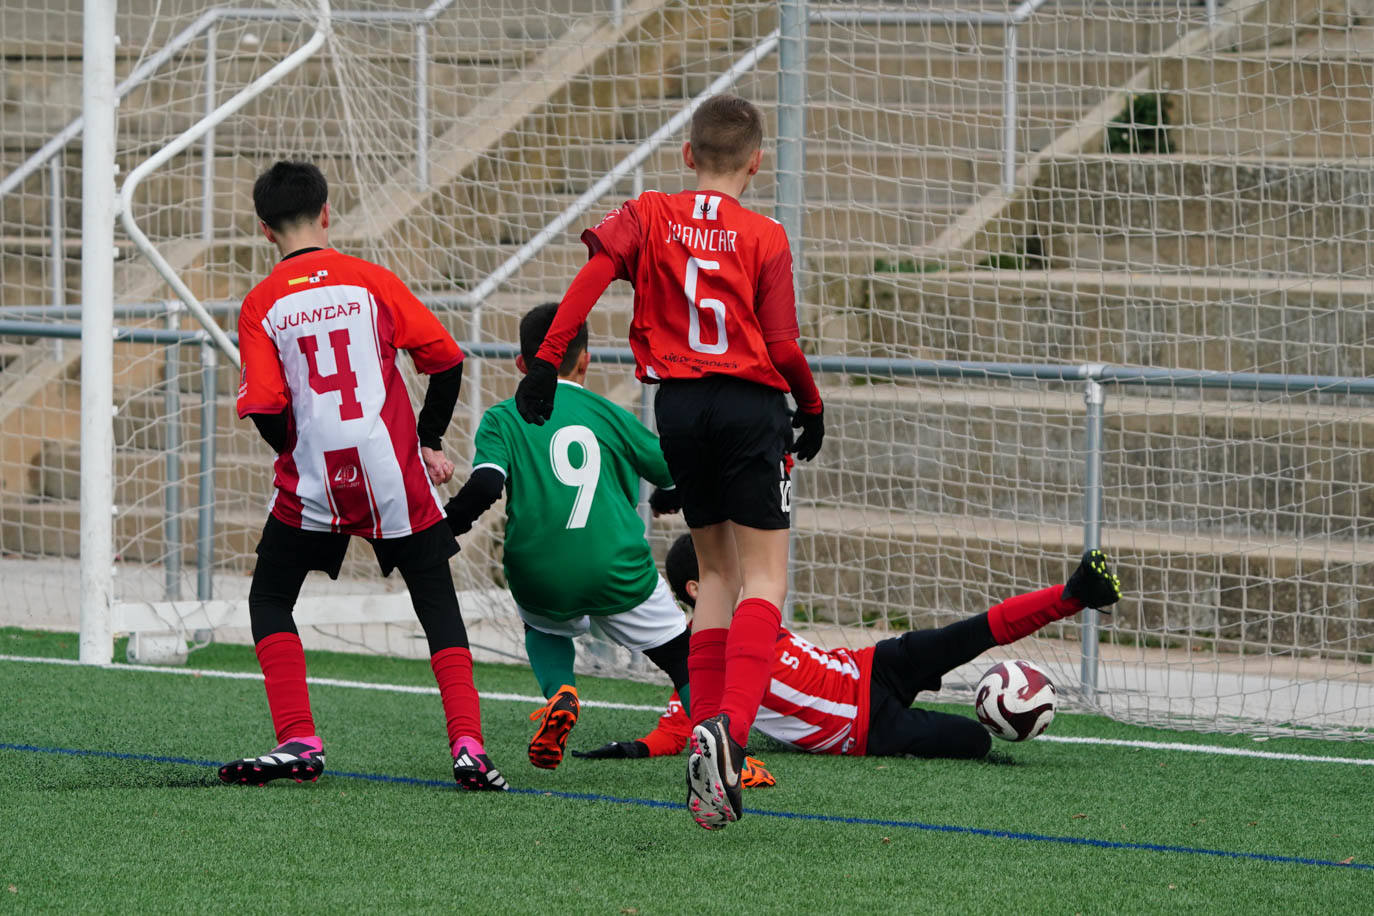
<point>601,704</point>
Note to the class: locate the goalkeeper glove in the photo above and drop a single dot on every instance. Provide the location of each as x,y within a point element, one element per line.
<point>665,502</point>
<point>616,750</point>
<point>534,394</point>
<point>812,426</point>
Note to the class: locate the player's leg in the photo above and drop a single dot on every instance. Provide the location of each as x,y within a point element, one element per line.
<point>718,567</point>
<point>750,433</point>
<point>915,661</point>
<point>436,605</point>
<point>299,753</point>
<point>1092,585</point>
<point>895,731</point>
<point>657,628</point>
<point>549,644</point>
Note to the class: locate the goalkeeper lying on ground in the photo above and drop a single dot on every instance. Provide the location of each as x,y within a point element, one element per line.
<point>858,701</point>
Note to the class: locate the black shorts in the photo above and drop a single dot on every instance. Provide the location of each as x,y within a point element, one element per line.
<point>285,545</point>
<point>726,441</point>
<point>907,664</point>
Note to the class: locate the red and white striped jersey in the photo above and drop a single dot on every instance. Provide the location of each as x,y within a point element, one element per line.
<point>320,335</point>
<point>817,701</point>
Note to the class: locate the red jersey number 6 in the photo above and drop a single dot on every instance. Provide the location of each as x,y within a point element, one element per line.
<point>344,380</point>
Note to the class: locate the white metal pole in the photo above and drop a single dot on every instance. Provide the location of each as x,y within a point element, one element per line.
<point>97,332</point>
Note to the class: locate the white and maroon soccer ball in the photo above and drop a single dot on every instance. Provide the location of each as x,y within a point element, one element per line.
<point>1015,700</point>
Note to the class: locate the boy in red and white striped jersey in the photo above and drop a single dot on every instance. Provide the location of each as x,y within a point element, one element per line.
<point>319,339</point>
<point>858,701</point>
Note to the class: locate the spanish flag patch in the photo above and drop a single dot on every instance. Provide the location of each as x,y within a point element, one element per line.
<point>316,277</point>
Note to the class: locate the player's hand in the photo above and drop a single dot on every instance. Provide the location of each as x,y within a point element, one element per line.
<point>812,426</point>
<point>665,502</point>
<point>616,750</point>
<point>440,469</point>
<point>534,394</point>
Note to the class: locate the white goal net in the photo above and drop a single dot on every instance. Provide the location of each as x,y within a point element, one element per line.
<point>1145,184</point>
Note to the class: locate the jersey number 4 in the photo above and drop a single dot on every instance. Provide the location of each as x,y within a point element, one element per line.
<point>583,476</point>
<point>344,380</point>
<point>694,309</point>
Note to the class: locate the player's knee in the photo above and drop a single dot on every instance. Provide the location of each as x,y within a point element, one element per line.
<point>972,742</point>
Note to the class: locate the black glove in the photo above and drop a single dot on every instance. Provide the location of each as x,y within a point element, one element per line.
<point>812,426</point>
<point>534,394</point>
<point>665,502</point>
<point>616,750</point>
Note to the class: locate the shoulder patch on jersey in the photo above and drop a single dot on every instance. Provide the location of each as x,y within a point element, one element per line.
<point>316,277</point>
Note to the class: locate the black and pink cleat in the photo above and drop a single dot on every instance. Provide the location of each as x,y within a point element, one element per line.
<point>473,769</point>
<point>301,759</point>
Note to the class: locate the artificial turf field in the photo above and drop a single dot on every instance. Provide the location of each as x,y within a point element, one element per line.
<point>96,814</point>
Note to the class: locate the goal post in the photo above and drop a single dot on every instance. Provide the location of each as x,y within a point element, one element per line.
<point>97,340</point>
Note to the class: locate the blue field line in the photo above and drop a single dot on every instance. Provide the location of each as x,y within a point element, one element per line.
<point>785,815</point>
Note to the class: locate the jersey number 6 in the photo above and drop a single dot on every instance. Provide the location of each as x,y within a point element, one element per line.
<point>694,309</point>
<point>583,477</point>
<point>344,380</point>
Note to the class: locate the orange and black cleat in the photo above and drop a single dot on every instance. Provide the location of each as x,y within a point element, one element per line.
<point>755,775</point>
<point>559,715</point>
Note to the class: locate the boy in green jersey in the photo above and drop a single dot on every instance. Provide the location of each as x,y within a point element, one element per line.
<point>575,546</point>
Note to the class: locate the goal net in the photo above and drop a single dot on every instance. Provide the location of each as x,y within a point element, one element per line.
<point>1147,185</point>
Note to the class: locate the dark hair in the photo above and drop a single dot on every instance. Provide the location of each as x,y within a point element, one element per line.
<point>535,326</point>
<point>726,130</point>
<point>289,193</point>
<point>681,567</point>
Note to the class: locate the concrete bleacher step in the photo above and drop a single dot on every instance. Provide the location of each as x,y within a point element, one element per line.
<point>834,175</point>
<point>1289,324</point>
<point>957,79</point>
<point>956,126</point>
<point>866,565</point>
<point>1263,215</point>
<point>1267,469</point>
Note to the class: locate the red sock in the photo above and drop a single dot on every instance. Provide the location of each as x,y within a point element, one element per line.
<point>749,653</point>
<point>1024,614</point>
<point>283,669</point>
<point>453,671</point>
<point>705,672</point>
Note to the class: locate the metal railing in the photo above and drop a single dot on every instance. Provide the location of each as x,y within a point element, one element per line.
<point>1093,378</point>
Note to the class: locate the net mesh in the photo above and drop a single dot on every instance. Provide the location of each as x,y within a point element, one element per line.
<point>1185,198</point>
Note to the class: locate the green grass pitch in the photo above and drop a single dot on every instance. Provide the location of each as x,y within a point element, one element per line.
<point>112,833</point>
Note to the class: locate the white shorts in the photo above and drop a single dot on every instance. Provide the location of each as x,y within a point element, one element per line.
<point>648,625</point>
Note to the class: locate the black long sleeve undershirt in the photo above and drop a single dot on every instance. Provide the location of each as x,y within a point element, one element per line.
<point>440,399</point>
<point>273,429</point>
<point>481,490</point>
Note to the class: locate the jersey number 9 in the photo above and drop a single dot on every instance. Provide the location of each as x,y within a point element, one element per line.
<point>584,477</point>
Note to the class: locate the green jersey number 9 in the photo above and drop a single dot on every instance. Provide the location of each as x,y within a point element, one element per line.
<point>583,477</point>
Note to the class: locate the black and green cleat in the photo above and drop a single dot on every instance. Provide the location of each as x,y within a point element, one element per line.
<point>1094,583</point>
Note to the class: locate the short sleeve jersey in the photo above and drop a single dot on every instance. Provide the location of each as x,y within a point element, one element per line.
<point>712,280</point>
<point>817,701</point>
<point>574,541</point>
<point>319,336</point>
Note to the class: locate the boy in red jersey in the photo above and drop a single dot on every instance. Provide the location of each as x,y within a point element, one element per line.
<point>319,340</point>
<point>858,701</point>
<point>715,326</point>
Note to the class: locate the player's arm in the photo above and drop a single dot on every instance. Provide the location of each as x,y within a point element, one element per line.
<point>646,457</point>
<point>667,739</point>
<point>435,353</point>
<point>534,395</point>
<point>612,253</point>
<point>262,384</point>
<point>490,467</point>
<point>776,307</point>
<point>482,489</point>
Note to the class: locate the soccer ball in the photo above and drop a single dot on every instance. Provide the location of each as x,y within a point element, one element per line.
<point>1015,700</point>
